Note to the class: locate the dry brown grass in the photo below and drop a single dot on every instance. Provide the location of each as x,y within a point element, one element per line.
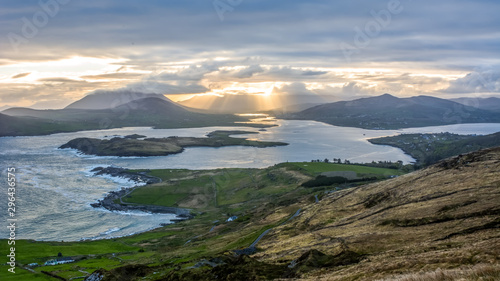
<point>433,221</point>
<point>483,272</point>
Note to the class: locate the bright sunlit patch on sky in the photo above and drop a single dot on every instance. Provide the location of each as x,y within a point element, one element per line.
<point>71,68</point>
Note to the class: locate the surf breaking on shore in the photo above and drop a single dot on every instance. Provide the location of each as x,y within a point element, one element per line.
<point>109,201</point>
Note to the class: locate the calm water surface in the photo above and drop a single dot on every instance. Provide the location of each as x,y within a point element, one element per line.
<point>55,188</point>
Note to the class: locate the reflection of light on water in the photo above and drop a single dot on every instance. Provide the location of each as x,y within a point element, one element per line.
<point>252,114</point>
<point>262,118</point>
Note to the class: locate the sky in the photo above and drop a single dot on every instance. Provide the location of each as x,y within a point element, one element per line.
<point>54,52</point>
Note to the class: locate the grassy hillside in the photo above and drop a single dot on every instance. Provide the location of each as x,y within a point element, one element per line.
<point>441,219</point>
<point>435,222</point>
<point>260,198</point>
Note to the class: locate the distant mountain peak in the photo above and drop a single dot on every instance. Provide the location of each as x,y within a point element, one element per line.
<point>111,99</point>
<point>386,95</point>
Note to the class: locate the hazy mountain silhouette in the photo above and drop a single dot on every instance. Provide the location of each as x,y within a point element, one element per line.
<point>389,112</point>
<point>150,111</point>
<point>112,99</point>
<point>492,104</point>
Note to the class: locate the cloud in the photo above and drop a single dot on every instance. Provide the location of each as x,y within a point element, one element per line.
<point>116,75</point>
<point>188,49</point>
<point>282,32</point>
<point>285,73</point>
<point>192,73</point>
<point>54,92</point>
<point>249,71</point>
<point>152,87</point>
<point>60,80</point>
<point>479,81</point>
<point>294,89</point>
<point>21,75</point>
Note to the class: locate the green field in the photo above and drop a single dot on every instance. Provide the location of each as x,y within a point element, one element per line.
<point>320,167</point>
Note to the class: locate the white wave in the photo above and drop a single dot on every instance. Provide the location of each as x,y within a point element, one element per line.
<point>122,180</point>
<point>100,237</point>
<point>114,229</point>
<point>136,213</point>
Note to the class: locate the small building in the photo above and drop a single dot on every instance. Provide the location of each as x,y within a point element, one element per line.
<point>64,260</point>
<point>61,260</point>
<point>232,218</point>
<point>50,262</point>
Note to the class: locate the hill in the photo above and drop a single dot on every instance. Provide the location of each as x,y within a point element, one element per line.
<point>491,104</point>
<point>30,126</point>
<point>149,111</point>
<point>431,148</point>
<point>103,100</point>
<point>389,112</point>
<point>442,220</point>
<point>438,223</point>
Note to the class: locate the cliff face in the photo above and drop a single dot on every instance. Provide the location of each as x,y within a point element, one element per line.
<point>445,216</point>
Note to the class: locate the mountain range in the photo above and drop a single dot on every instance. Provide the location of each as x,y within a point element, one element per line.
<point>112,110</point>
<point>104,100</point>
<point>389,112</point>
<point>158,112</point>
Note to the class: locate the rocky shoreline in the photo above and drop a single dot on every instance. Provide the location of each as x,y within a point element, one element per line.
<point>108,202</point>
<point>138,177</point>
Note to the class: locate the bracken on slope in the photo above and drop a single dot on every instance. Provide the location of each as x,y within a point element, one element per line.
<point>444,219</point>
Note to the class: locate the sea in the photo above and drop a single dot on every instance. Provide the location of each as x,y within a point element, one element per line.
<point>54,187</point>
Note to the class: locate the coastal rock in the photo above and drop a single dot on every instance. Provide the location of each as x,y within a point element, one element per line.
<point>109,202</point>
<point>139,177</point>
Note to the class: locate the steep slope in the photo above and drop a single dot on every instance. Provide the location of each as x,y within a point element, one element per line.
<point>389,112</point>
<point>103,100</point>
<point>445,216</point>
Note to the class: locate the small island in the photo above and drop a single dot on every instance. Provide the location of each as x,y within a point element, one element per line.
<point>133,146</point>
